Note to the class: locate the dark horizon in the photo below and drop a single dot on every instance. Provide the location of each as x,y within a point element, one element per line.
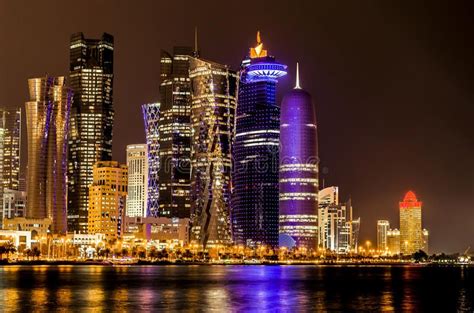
<point>392,85</point>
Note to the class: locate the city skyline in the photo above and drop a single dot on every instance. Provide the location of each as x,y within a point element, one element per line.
<point>332,156</point>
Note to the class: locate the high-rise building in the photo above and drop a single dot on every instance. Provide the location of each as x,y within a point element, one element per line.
<point>92,114</point>
<point>47,121</point>
<point>411,236</point>
<point>137,163</point>
<point>151,116</point>
<point>337,230</point>
<point>175,134</point>
<point>10,143</point>
<point>255,151</point>
<point>382,228</point>
<point>299,164</point>
<point>107,196</point>
<point>393,241</point>
<point>214,95</point>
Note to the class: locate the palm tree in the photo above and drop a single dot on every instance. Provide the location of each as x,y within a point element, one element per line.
<point>10,248</point>
<point>3,250</point>
<point>27,252</point>
<point>35,252</point>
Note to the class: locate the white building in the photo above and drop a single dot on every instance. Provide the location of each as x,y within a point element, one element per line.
<point>21,239</point>
<point>137,180</point>
<point>382,229</point>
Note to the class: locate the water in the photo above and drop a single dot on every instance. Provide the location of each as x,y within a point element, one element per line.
<point>236,288</point>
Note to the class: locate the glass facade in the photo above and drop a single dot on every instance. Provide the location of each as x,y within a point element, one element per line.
<point>90,138</point>
<point>47,121</point>
<point>151,116</point>
<point>175,134</point>
<point>214,96</point>
<point>255,151</point>
<point>299,164</point>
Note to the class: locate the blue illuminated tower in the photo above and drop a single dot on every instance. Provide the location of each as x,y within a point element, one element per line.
<point>151,116</point>
<point>256,151</point>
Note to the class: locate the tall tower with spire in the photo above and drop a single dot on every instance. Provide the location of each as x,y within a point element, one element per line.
<point>299,164</point>
<point>255,151</point>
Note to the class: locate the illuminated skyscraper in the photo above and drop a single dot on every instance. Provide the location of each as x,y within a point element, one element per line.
<point>107,195</point>
<point>175,134</point>
<point>299,168</point>
<point>90,138</point>
<point>151,115</point>
<point>411,236</point>
<point>10,143</point>
<point>255,151</point>
<point>137,163</point>
<point>214,96</point>
<point>47,121</point>
<point>383,227</point>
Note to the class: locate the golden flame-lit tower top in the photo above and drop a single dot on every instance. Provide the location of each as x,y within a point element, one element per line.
<point>258,51</point>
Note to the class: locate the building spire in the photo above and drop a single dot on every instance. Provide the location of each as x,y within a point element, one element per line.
<point>297,86</point>
<point>196,53</point>
<point>258,51</point>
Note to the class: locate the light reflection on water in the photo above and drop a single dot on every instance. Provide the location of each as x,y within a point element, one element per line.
<point>236,288</point>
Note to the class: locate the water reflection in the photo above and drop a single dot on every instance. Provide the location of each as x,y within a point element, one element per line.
<point>235,288</point>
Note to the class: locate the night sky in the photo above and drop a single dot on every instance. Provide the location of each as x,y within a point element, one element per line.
<point>393,85</point>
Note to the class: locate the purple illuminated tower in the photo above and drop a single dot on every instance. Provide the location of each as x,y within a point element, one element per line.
<point>298,170</point>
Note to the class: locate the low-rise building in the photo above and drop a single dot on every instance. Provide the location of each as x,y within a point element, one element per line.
<point>14,205</point>
<point>38,227</point>
<point>162,229</point>
<point>86,239</point>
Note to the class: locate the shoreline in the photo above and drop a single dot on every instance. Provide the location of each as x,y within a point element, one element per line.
<point>187,263</point>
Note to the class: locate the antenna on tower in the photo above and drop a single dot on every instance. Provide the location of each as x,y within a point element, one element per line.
<point>297,86</point>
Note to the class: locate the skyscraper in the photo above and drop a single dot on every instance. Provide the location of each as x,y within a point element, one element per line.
<point>151,116</point>
<point>214,96</point>
<point>107,196</point>
<point>175,134</point>
<point>47,121</point>
<point>10,143</point>
<point>137,163</point>
<point>90,138</point>
<point>383,227</point>
<point>411,236</point>
<point>255,151</point>
<point>299,168</point>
